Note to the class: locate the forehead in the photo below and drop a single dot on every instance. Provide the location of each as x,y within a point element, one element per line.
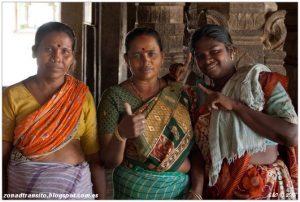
<point>207,43</point>
<point>60,38</point>
<point>143,42</point>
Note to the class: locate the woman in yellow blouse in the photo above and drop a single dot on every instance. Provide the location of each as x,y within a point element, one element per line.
<point>49,127</point>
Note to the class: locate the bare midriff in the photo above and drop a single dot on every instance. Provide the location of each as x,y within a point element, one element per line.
<point>267,157</point>
<point>185,166</point>
<point>71,154</point>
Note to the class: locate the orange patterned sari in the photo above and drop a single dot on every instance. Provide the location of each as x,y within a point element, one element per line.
<point>240,179</point>
<point>53,125</point>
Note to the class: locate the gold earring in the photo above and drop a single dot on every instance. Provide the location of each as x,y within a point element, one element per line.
<point>232,56</point>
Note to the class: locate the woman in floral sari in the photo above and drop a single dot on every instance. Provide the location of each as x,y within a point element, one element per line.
<point>50,144</point>
<point>246,128</point>
<point>146,131</point>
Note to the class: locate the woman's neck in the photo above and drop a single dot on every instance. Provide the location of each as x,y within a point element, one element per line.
<point>48,86</point>
<point>42,89</point>
<point>145,89</point>
<point>220,83</point>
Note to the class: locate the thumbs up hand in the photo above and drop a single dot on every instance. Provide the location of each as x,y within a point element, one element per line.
<point>218,101</point>
<point>133,124</point>
<point>128,109</point>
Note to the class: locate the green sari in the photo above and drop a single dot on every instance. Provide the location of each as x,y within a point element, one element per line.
<point>155,156</point>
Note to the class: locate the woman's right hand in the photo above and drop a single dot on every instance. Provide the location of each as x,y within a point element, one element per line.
<point>218,101</point>
<point>132,125</point>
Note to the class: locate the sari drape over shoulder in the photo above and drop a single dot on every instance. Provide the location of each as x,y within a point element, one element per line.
<point>52,126</point>
<point>41,133</point>
<point>168,135</point>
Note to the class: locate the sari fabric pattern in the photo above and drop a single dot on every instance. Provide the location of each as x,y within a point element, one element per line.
<point>52,126</point>
<point>240,179</point>
<point>50,180</point>
<point>168,134</point>
<point>137,183</point>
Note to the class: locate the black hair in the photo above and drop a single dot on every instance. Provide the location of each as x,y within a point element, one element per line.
<point>216,32</point>
<point>140,31</point>
<point>49,27</point>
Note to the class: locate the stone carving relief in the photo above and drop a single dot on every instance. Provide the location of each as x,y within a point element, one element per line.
<point>275,31</point>
<point>205,16</point>
<point>246,21</point>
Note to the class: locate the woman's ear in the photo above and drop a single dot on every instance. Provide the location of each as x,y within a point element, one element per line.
<point>162,58</point>
<point>72,68</point>
<point>33,48</point>
<point>126,58</point>
<point>232,51</point>
<point>127,62</point>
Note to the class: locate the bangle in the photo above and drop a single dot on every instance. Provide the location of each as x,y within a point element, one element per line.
<point>198,196</point>
<point>118,136</point>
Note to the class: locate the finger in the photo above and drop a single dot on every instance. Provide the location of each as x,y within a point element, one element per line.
<point>139,131</point>
<point>204,89</point>
<point>182,75</point>
<point>140,128</point>
<point>188,60</point>
<point>128,108</point>
<point>178,73</point>
<point>214,105</point>
<point>139,118</point>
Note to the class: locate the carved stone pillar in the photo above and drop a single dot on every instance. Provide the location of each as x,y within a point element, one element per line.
<point>167,19</point>
<point>257,30</point>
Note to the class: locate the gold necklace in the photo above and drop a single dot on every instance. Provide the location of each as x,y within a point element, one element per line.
<point>137,92</point>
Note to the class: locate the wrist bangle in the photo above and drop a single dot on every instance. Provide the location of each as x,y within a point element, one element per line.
<point>118,136</point>
<point>198,196</point>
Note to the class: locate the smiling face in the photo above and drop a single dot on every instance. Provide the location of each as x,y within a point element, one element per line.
<point>144,57</point>
<point>213,58</point>
<point>54,55</point>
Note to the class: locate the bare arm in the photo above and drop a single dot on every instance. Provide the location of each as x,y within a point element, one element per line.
<point>113,147</point>
<point>98,175</point>
<point>6,149</point>
<point>197,174</point>
<point>112,150</point>
<point>273,128</point>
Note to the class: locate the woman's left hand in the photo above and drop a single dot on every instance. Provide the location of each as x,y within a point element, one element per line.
<point>218,101</point>
<point>178,71</point>
<point>190,196</point>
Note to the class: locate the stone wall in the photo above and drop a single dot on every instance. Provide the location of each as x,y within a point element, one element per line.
<point>167,19</point>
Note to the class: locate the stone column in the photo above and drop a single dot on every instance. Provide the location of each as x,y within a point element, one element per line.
<point>72,14</point>
<point>167,19</point>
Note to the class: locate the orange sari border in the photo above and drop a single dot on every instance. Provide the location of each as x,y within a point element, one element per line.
<point>50,127</point>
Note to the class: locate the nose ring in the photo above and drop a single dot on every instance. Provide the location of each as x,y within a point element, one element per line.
<point>52,60</point>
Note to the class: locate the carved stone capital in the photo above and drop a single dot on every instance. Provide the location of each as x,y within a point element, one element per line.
<point>206,16</point>
<point>275,31</point>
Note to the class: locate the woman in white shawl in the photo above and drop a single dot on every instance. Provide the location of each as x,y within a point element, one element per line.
<point>244,125</point>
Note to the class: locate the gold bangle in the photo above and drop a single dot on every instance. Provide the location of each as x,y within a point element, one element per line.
<point>118,136</point>
<point>198,196</point>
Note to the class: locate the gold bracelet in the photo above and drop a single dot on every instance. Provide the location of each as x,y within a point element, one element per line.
<point>198,196</point>
<point>118,136</point>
